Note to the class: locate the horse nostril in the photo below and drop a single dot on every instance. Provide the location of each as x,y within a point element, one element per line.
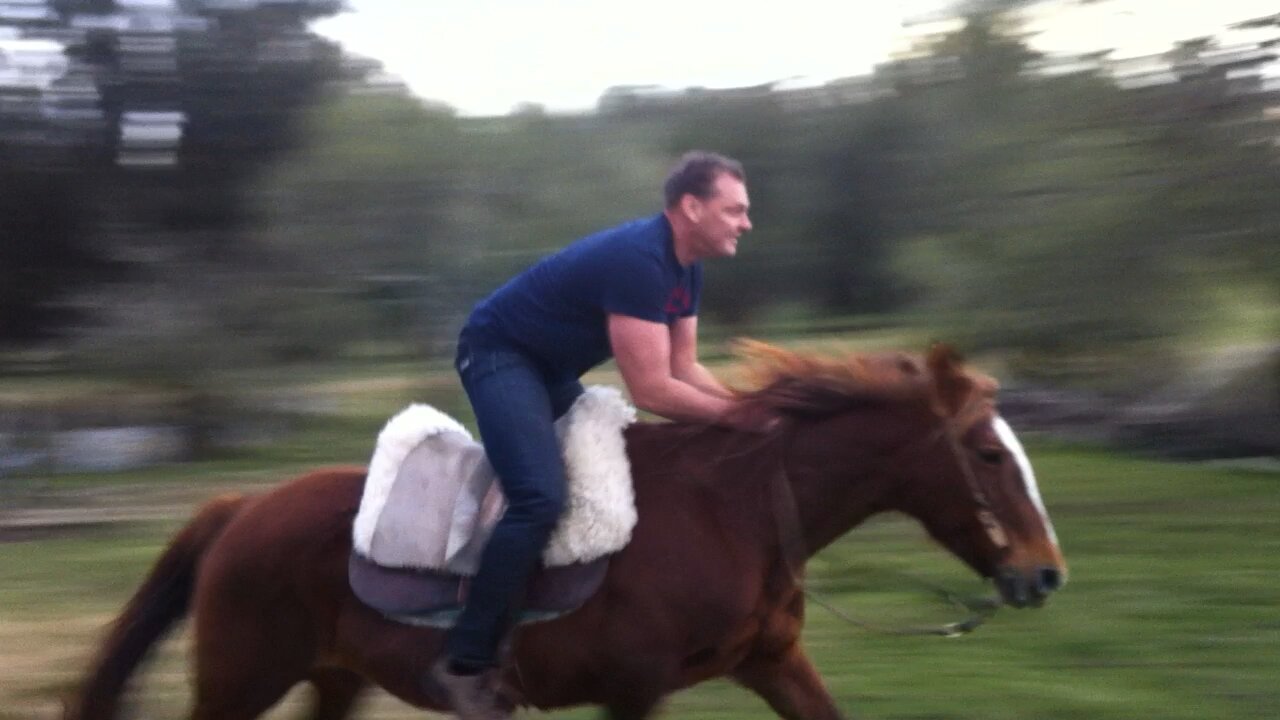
<point>1050,579</point>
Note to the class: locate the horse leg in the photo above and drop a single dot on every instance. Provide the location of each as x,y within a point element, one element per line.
<point>247,659</point>
<point>240,701</point>
<point>638,711</point>
<point>790,684</point>
<point>337,692</point>
<point>237,688</point>
<point>638,681</point>
<point>637,687</point>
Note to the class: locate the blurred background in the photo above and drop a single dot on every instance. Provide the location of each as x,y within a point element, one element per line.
<point>237,235</point>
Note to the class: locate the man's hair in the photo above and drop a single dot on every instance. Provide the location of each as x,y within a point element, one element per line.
<point>696,173</point>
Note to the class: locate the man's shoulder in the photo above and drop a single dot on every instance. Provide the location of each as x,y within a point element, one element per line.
<point>649,227</point>
<point>643,237</point>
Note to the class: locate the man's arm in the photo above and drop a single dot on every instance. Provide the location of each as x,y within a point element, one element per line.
<point>643,350</point>
<point>684,359</point>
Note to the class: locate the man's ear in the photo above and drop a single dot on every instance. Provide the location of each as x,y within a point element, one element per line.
<point>692,207</point>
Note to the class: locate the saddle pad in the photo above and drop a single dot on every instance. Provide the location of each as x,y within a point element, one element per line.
<point>431,498</point>
<point>428,597</point>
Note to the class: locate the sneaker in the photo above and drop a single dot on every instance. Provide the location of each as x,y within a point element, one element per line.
<point>472,697</point>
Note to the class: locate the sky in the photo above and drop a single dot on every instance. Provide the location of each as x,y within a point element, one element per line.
<point>484,57</point>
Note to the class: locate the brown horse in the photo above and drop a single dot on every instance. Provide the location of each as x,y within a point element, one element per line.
<point>708,586</point>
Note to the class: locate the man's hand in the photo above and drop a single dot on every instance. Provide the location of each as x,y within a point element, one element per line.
<point>754,417</point>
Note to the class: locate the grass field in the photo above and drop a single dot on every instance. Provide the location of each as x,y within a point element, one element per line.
<point>1170,611</point>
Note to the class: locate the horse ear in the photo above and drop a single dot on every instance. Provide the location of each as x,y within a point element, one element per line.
<point>951,385</point>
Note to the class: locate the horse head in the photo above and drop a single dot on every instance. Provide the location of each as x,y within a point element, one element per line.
<point>973,488</point>
<point>919,435</point>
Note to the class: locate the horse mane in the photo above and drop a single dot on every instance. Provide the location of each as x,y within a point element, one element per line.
<point>817,385</point>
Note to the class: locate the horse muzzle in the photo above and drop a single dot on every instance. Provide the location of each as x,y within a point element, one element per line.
<point>1029,587</point>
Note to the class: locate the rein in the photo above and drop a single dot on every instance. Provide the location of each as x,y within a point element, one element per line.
<point>795,554</point>
<point>979,611</point>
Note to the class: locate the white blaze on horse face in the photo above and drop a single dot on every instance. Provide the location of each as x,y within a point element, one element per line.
<point>1010,441</point>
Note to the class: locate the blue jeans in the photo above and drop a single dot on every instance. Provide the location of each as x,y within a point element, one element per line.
<point>515,404</point>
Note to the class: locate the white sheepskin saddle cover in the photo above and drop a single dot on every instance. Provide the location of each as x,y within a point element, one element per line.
<point>431,499</point>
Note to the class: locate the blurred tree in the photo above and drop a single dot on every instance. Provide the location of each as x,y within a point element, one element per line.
<point>42,252</point>
<point>135,121</point>
<point>125,226</point>
<point>1068,217</point>
<point>859,204</point>
<point>368,209</point>
<point>192,332</point>
<point>1016,204</point>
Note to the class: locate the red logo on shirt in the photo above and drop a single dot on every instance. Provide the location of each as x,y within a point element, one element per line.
<point>679,302</point>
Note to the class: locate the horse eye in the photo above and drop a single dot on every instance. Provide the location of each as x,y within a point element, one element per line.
<point>991,456</point>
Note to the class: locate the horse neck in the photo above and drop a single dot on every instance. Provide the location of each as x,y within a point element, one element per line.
<point>834,468</point>
<point>838,474</point>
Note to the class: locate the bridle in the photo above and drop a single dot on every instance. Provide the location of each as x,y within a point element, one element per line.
<point>951,428</point>
<point>791,537</point>
<point>986,517</point>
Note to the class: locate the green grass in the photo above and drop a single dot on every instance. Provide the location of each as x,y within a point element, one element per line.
<point>50,578</point>
<point>1240,314</point>
<point>1170,610</point>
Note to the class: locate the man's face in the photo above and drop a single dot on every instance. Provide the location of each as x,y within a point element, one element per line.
<point>721,218</point>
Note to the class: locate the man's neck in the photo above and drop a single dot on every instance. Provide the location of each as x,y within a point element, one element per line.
<point>681,238</point>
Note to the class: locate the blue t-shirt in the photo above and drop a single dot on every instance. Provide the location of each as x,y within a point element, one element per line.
<point>556,310</point>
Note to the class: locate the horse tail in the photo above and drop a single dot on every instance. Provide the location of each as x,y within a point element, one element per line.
<point>162,600</point>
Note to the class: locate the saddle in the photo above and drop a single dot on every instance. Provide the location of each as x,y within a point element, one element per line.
<point>431,501</point>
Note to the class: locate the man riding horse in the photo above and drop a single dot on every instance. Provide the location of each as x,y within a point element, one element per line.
<point>630,292</point>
